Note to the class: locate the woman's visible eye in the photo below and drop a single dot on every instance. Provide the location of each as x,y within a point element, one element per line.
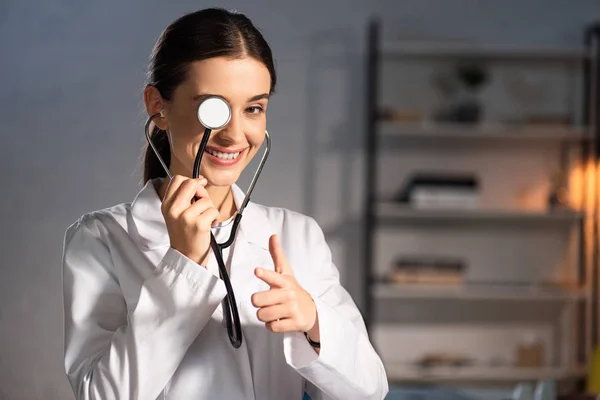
<point>255,110</point>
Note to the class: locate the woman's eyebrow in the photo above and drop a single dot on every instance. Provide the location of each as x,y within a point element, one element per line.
<point>202,96</point>
<point>258,97</point>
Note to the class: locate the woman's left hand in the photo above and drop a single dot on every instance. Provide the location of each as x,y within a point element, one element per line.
<point>286,306</point>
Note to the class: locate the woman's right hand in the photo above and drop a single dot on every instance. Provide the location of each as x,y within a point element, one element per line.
<point>189,223</point>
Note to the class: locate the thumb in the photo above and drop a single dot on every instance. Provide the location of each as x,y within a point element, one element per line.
<point>279,260</point>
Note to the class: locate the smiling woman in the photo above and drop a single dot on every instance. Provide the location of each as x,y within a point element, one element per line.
<point>143,294</point>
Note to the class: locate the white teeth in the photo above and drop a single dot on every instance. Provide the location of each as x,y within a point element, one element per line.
<point>223,156</point>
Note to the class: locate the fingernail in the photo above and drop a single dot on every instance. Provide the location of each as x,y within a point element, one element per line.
<point>203,181</point>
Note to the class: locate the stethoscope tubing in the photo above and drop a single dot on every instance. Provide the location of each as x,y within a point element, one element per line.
<point>230,310</point>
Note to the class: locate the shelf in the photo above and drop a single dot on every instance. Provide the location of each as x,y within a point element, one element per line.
<point>529,242</point>
<point>406,372</point>
<point>393,213</point>
<point>487,132</point>
<point>476,292</point>
<point>408,49</point>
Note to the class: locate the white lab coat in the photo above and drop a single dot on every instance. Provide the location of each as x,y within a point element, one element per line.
<point>142,321</point>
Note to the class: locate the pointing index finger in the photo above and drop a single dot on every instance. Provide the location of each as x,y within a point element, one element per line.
<point>278,256</point>
<point>271,278</point>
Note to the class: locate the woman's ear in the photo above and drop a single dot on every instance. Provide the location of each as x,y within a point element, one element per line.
<point>155,105</point>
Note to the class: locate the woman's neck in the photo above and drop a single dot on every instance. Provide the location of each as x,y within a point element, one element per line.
<point>221,196</point>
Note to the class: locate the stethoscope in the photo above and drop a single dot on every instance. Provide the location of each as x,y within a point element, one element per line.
<point>214,113</point>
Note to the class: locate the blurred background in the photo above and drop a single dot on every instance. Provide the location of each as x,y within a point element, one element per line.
<point>446,147</point>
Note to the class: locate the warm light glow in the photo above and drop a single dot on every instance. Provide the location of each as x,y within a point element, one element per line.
<point>584,184</point>
<point>583,177</point>
<point>583,188</point>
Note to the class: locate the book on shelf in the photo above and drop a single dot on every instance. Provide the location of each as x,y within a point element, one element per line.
<point>427,270</point>
<point>436,190</point>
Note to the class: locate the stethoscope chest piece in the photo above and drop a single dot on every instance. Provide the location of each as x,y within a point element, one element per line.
<point>214,112</point>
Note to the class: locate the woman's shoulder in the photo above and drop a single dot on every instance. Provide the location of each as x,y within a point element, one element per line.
<point>95,222</point>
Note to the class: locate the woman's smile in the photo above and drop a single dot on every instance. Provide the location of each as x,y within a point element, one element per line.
<point>224,156</point>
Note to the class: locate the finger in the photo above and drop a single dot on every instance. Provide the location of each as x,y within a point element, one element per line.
<point>184,195</point>
<point>172,187</point>
<point>273,313</point>
<point>201,189</point>
<point>207,219</point>
<point>197,208</point>
<point>271,278</point>
<point>176,182</point>
<point>178,200</point>
<point>271,297</point>
<point>202,178</point>
<point>202,213</point>
<point>283,325</point>
<point>278,256</point>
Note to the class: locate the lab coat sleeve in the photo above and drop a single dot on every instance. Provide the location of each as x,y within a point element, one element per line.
<point>115,353</point>
<point>347,366</point>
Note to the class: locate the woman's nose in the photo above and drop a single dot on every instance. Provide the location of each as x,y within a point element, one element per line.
<point>233,130</point>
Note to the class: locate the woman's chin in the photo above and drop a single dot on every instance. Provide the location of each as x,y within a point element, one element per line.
<point>218,175</point>
<point>221,178</point>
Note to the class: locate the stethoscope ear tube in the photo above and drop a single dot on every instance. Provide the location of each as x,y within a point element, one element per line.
<point>151,144</point>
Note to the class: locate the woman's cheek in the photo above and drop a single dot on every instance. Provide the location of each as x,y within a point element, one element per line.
<point>258,136</point>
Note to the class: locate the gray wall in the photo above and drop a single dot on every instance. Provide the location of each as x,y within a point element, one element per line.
<point>72,117</point>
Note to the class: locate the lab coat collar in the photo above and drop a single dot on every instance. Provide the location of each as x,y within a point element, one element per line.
<point>152,230</point>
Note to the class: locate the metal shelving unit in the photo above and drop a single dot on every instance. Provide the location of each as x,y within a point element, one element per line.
<point>383,137</point>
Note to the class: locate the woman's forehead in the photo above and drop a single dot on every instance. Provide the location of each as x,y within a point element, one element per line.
<point>237,79</point>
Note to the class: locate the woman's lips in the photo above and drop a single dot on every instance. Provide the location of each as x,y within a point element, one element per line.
<point>224,157</point>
